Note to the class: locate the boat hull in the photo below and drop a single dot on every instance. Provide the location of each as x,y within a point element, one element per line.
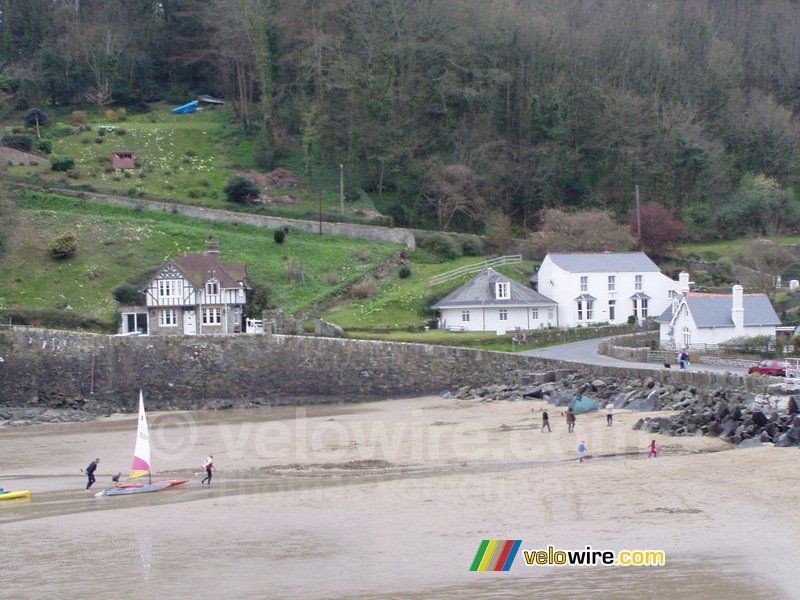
<point>139,489</point>
<point>171,482</point>
<point>12,495</point>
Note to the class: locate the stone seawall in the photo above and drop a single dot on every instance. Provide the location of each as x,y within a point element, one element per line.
<point>184,372</point>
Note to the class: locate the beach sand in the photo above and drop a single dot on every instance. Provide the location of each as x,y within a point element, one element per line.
<point>392,499</point>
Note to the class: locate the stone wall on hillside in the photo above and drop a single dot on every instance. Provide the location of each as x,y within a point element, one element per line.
<point>185,372</point>
<point>395,235</point>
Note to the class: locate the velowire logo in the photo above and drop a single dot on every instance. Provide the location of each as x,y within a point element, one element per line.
<point>495,555</point>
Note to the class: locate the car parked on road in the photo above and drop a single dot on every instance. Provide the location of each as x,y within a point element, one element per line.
<point>776,368</point>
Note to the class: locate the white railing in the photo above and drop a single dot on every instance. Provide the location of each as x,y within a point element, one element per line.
<point>474,268</point>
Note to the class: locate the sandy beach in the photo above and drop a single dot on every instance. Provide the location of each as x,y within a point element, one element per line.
<point>392,499</point>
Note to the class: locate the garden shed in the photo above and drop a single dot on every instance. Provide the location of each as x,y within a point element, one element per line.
<point>123,159</point>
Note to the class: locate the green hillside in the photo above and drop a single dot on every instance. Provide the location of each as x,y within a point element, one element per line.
<point>118,244</point>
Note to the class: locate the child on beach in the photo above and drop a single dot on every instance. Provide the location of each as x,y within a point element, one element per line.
<point>652,449</point>
<point>581,451</point>
<point>546,422</point>
<point>208,465</point>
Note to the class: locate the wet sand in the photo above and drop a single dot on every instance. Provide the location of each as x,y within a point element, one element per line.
<point>392,499</point>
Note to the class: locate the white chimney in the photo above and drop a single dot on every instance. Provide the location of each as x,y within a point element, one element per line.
<point>683,282</point>
<point>737,307</point>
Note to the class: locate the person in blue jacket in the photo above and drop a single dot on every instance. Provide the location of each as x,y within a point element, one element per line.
<point>90,472</point>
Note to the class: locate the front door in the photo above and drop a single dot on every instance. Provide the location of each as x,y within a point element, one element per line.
<point>189,322</point>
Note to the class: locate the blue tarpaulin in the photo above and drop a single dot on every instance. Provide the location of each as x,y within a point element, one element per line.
<point>185,109</point>
<point>584,404</point>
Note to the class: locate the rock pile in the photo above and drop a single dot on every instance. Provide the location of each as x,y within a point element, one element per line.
<point>732,414</point>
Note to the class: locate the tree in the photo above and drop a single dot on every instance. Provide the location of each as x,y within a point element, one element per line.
<point>660,229</point>
<point>761,262</point>
<point>586,231</point>
<point>452,190</point>
<point>241,190</point>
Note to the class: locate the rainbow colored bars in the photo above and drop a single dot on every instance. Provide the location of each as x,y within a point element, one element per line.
<point>495,555</point>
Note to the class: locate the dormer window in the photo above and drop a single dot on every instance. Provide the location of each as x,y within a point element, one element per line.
<point>212,288</point>
<point>503,290</point>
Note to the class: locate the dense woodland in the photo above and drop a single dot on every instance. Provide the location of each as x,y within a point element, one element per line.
<point>457,114</point>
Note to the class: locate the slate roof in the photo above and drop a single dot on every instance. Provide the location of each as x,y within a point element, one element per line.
<point>198,267</point>
<point>714,310</point>
<point>480,291</point>
<point>604,262</point>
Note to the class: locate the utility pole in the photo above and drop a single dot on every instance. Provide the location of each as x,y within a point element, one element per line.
<point>638,216</point>
<point>320,211</point>
<point>341,187</point>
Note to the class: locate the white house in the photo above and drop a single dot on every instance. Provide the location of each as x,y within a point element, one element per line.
<point>695,319</point>
<point>493,302</point>
<point>604,287</point>
<point>196,294</point>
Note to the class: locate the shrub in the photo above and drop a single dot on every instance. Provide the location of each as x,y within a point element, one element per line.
<point>99,139</point>
<point>362,254</point>
<point>121,131</point>
<point>442,245</point>
<point>333,279</point>
<point>241,190</point>
<point>64,246</point>
<point>78,117</point>
<point>191,153</point>
<point>34,115</point>
<point>101,131</point>
<point>18,142</point>
<point>279,236</point>
<point>404,272</point>
<point>293,271</point>
<point>363,289</point>
<point>61,163</point>
<point>193,193</point>
<point>470,245</point>
<point>128,294</point>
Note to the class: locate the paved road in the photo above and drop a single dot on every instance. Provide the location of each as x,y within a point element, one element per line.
<point>586,352</point>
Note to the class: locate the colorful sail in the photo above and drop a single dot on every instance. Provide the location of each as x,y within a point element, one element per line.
<point>141,454</point>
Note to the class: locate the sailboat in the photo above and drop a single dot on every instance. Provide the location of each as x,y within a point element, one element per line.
<point>141,463</point>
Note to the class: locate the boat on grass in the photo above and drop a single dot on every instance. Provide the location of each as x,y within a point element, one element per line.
<point>141,464</point>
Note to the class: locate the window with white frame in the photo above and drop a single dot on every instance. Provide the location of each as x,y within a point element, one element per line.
<point>535,314</point>
<point>503,290</point>
<point>589,310</point>
<point>643,308</point>
<point>503,314</point>
<point>580,310</point>
<point>612,283</point>
<point>212,316</point>
<point>169,288</point>
<point>550,314</point>
<point>612,310</point>
<point>212,288</point>
<point>585,310</point>
<point>638,283</point>
<point>687,337</point>
<point>584,283</point>
<point>465,315</point>
<point>168,317</point>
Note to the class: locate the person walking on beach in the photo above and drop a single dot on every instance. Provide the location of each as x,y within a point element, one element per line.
<point>570,420</point>
<point>581,451</point>
<point>546,422</point>
<point>684,359</point>
<point>609,413</point>
<point>208,466</point>
<point>90,472</point>
<point>652,449</point>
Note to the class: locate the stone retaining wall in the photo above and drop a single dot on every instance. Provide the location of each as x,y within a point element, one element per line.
<point>182,372</point>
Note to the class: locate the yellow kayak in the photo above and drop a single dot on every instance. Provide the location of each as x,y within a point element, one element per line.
<point>11,495</point>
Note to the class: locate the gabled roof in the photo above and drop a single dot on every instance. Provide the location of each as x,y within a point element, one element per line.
<point>199,267</point>
<point>480,291</point>
<point>714,310</point>
<point>604,262</point>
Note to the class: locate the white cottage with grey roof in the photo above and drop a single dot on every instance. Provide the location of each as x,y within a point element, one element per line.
<point>696,319</point>
<point>604,287</point>
<point>493,302</point>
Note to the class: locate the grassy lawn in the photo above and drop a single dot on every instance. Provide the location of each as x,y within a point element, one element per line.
<point>118,243</point>
<point>184,158</point>
<point>402,302</point>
